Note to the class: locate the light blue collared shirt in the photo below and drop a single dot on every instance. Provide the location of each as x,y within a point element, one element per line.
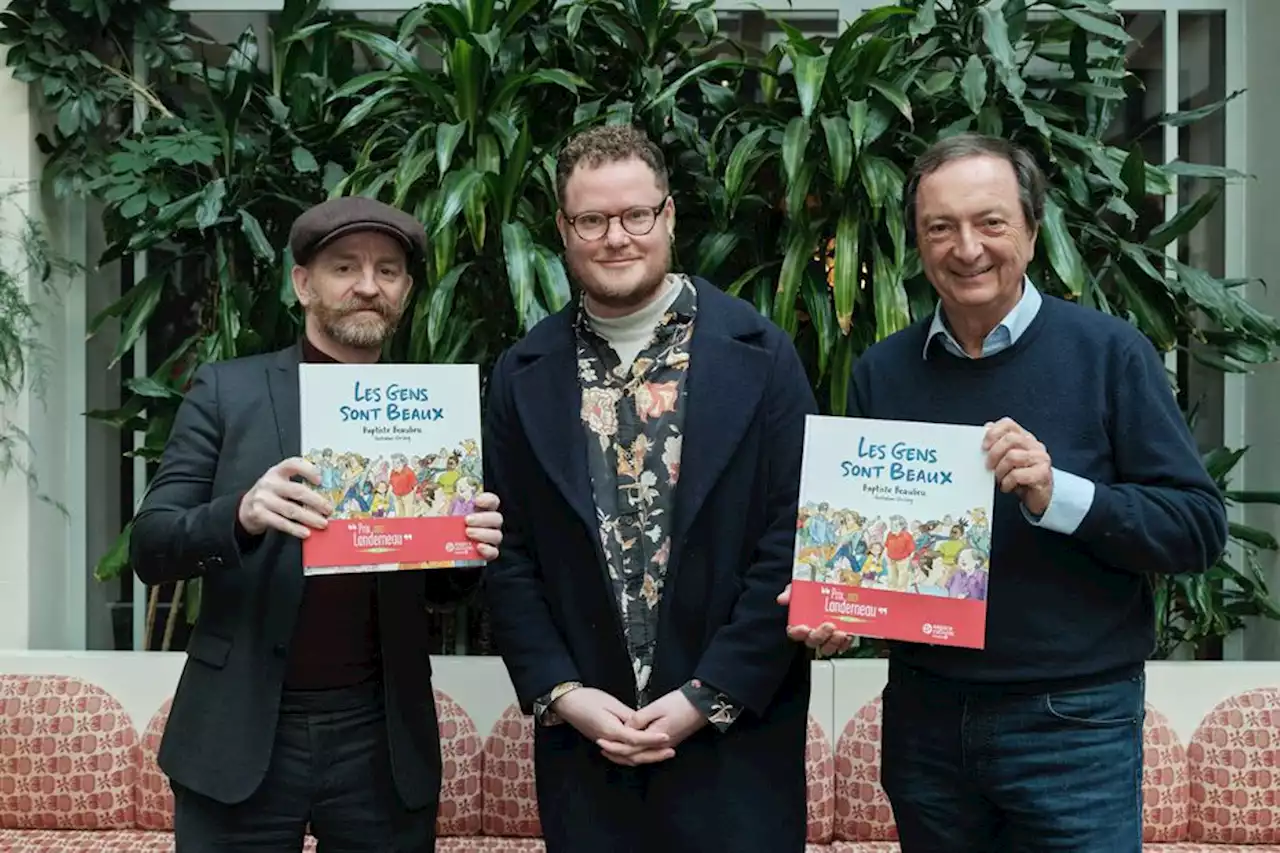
<point>1072,495</point>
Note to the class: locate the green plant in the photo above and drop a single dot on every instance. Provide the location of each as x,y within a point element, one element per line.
<point>788,169</point>
<point>29,272</point>
<point>1193,611</point>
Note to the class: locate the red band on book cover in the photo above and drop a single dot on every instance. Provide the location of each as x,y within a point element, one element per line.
<point>888,614</point>
<point>357,541</point>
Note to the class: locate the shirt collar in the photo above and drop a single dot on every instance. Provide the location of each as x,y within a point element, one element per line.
<point>1013,324</point>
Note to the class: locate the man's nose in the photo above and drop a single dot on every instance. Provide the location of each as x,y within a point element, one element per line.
<point>365,285</point>
<point>616,235</point>
<point>968,245</point>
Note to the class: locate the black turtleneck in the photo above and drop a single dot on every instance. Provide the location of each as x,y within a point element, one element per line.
<point>335,642</point>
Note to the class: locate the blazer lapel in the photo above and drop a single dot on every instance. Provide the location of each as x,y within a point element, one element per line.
<point>727,378</point>
<point>548,401</point>
<point>282,380</point>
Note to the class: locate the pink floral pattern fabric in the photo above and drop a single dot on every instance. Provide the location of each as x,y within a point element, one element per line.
<point>85,841</point>
<point>462,781</point>
<point>862,808</point>
<point>484,844</point>
<point>819,772</point>
<point>510,800</point>
<point>1166,785</point>
<point>155,797</point>
<point>75,778</point>
<point>1234,761</point>
<point>69,755</point>
<point>1196,847</point>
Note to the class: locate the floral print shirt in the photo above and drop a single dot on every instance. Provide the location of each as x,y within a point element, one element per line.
<point>635,428</point>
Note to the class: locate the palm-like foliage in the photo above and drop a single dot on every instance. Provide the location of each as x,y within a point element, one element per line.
<point>787,169</point>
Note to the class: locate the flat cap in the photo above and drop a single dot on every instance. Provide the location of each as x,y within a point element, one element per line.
<point>322,224</point>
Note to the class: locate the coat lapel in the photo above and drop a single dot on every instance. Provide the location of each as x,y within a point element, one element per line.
<point>282,380</point>
<point>548,400</point>
<point>728,373</point>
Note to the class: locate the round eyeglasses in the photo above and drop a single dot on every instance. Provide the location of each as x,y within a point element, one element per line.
<point>636,221</point>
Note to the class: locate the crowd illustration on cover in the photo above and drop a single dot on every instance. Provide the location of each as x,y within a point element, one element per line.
<point>944,557</point>
<point>400,486</point>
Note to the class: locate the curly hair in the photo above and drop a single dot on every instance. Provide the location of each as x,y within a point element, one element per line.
<point>610,143</point>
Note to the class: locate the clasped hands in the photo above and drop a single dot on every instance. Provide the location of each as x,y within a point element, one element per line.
<point>626,736</point>
<point>278,501</point>
<point>1019,463</point>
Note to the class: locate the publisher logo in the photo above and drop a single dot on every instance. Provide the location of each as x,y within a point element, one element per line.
<point>938,632</point>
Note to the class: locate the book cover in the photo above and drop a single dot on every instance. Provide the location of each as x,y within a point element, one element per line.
<point>398,448</point>
<point>893,534</point>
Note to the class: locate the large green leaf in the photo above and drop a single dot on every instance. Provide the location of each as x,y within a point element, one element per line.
<point>848,267</point>
<point>518,250</point>
<point>1064,256</point>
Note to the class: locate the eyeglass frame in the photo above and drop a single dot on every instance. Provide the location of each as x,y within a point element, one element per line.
<point>657,210</point>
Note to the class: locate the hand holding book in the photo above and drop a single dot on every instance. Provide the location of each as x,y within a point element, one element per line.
<point>825,639</point>
<point>278,502</point>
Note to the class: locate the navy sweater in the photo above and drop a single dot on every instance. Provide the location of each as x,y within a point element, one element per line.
<point>1061,608</point>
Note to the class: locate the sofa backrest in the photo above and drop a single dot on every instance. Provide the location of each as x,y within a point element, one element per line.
<point>71,758</point>
<point>69,755</point>
<point>1234,767</point>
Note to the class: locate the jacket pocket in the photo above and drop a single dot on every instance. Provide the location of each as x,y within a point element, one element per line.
<point>209,649</point>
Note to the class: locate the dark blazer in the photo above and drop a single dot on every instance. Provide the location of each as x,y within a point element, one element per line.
<point>238,419</point>
<point>553,613</point>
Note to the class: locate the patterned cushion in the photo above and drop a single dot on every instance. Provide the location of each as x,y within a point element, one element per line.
<point>69,755</point>
<point>1196,847</point>
<point>1166,786</point>
<point>1234,760</point>
<point>863,847</point>
<point>85,841</point>
<point>460,747</point>
<point>481,844</point>
<point>819,771</point>
<point>510,799</point>
<point>155,798</point>
<point>862,809</point>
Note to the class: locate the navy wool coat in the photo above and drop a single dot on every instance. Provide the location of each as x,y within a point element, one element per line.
<point>555,618</point>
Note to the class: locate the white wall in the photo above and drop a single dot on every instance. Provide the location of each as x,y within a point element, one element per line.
<point>1262,390</point>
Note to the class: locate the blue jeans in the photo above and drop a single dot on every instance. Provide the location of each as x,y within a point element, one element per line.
<point>971,773</point>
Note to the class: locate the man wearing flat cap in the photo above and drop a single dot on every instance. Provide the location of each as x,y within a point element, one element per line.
<point>305,702</point>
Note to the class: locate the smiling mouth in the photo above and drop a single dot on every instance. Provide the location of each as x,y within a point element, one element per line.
<point>617,262</point>
<point>974,274</point>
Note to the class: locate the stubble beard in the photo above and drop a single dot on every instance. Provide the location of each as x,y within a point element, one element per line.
<point>627,300</point>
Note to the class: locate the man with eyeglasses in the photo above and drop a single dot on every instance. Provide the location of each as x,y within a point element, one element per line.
<point>645,442</point>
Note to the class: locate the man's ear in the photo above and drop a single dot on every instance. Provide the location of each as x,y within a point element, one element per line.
<point>562,225</point>
<point>671,218</point>
<point>301,285</point>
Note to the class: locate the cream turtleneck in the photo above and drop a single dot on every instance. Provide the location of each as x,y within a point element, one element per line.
<point>628,335</point>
